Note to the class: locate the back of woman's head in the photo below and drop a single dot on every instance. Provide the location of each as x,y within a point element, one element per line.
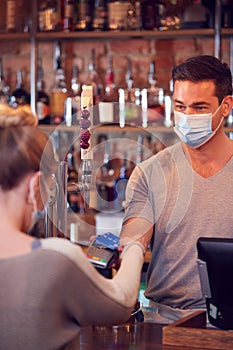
<point>24,148</point>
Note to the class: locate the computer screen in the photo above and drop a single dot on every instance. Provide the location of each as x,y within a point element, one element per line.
<point>215,263</point>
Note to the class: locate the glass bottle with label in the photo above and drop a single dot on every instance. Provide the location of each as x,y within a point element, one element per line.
<point>196,15</point>
<point>108,107</point>
<point>155,98</point>
<point>117,14</point>
<point>73,102</point>
<point>68,19</point>
<point>11,15</point>
<point>4,88</point>
<point>20,96</point>
<point>84,15</point>
<point>42,103</point>
<point>100,15</point>
<point>129,100</point>
<point>59,92</point>
<point>49,16</point>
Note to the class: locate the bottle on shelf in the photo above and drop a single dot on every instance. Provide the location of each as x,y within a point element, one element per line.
<point>49,16</point>
<point>68,16</point>
<point>120,184</point>
<point>117,14</point>
<point>105,175</point>
<point>4,87</point>
<point>20,96</point>
<point>169,16</point>
<point>3,16</point>
<point>109,105</point>
<point>226,14</point>
<point>59,91</point>
<point>93,79</point>
<point>196,15</point>
<point>133,15</point>
<point>155,98</point>
<point>84,15</point>
<point>129,100</point>
<point>73,101</point>
<point>148,14</point>
<point>74,198</point>
<point>100,22</point>
<point>42,102</point>
<point>11,15</point>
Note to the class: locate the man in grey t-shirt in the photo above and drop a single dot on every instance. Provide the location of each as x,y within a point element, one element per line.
<point>185,191</point>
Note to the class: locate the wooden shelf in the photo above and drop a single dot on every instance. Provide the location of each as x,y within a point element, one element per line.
<point>151,34</point>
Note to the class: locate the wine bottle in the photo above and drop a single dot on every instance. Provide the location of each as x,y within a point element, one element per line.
<point>155,98</point>
<point>49,16</point>
<point>84,15</point>
<point>73,102</point>
<point>42,102</point>
<point>59,91</point>
<point>100,15</point>
<point>93,79</point>
<point>11,15</point>
<point>108,107</point>
<point>4,87</point>
<point>68,19</point>
<point>129,100</point>
<point>196,15</point>
<point>20,96</point>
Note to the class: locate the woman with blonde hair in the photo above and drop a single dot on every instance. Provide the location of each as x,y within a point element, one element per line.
<point>48,288</point>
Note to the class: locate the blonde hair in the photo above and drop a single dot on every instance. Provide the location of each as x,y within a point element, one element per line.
<point>24,148</point>
<point>16,116</point>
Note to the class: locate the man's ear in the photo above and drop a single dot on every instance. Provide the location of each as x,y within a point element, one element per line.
<point>227,105</point>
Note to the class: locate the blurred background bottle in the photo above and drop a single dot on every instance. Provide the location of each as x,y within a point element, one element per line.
<point>73,101</point>
<point>117,14</point>
<point>84,15</point>
<point>11,15</point>
<point>4,87</point>
<point>100,16</point>
<point>20,96</point>
<point>49,16</point>
<point>155,98</point>
<point>68,16</point>
<point>59,92</point>
<point>196,15</point>
<point>42,102</point>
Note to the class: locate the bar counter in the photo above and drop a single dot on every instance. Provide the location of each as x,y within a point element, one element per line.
<point>129,336</point>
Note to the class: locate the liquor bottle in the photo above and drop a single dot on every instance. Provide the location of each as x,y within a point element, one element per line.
<point>42,102</point>
<point>100,15</point>
<point>3,17</point>
<point>129,100</point>
<point>4,88</point>
<point>196,15</point>
<point>117,14</point>
<point>226,14</point>
<point>84,15</point>
<point>20,96</point>
<point>73,197</point>
<point>148,14</point>
<point>108,107</point>
<point>68,18</point>
<point>93,79</point>
<point>169,16</point>
<point>73,102</point>
<point>49,16</point>
<point>155,97</point>
<point>11,15</point>
<point>59,91</point>
<point>133,19</point>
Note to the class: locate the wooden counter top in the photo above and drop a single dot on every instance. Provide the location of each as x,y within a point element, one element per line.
<point>132,336</point>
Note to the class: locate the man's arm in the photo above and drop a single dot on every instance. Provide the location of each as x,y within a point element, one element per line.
<point>137,229</point>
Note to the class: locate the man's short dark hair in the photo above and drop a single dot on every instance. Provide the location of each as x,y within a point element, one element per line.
<point>205,67</point>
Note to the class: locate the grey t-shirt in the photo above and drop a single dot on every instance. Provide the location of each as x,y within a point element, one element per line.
<point>183,206</point>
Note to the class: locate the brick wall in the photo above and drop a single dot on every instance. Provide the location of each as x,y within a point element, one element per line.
<point>165,52</point>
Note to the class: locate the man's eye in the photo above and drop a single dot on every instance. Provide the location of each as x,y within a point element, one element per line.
<point>179,107</point>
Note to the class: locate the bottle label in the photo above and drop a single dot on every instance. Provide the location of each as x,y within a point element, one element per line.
<point>58,99</point>
<point>42,110</point>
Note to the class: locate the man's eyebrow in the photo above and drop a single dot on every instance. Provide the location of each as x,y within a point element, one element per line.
<point>199,103</point>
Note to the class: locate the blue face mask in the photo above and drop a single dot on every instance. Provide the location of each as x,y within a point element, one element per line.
<point>195,129</point>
